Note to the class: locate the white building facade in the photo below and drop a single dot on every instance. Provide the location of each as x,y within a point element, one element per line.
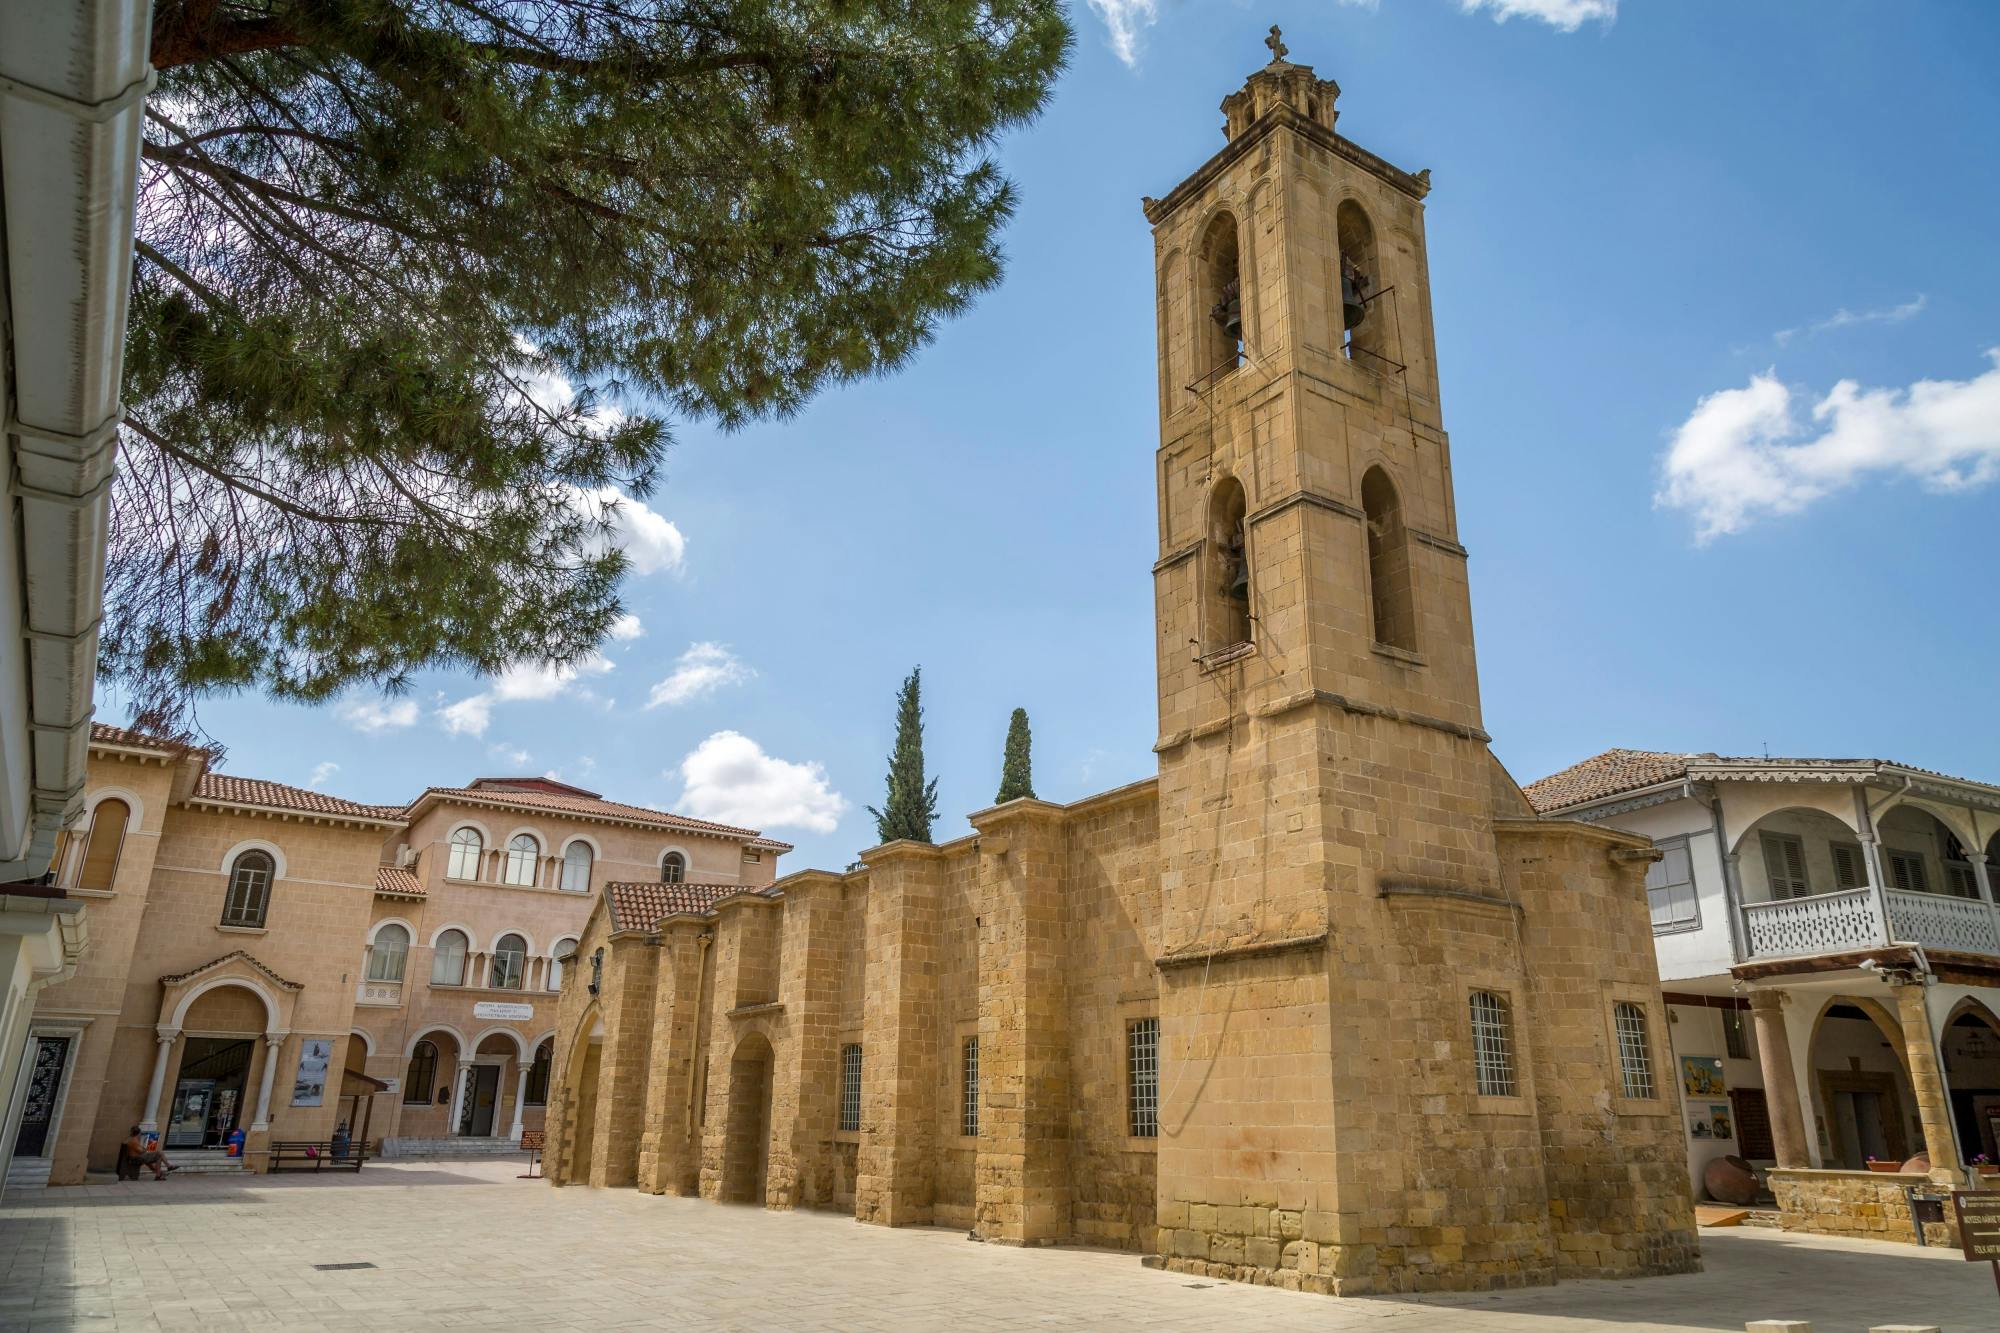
<point>1829,949</point>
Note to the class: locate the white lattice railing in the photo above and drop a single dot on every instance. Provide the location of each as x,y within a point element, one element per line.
<point>1823,923</point>
<point>1942,922</point>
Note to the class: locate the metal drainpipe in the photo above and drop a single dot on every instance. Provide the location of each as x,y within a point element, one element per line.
<point>700,988</point>
<point>1871,848</point>
<point>1732,886</point>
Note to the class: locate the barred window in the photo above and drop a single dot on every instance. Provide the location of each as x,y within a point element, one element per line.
<point>1492,1045</point>
<point>1142,1066</point>
<point>850,1087</point>
<point>1635,1061</point>
<point>968,1104</point>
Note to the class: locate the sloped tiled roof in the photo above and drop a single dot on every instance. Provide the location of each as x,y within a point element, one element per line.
<point>104,734</point>
<point>231,957</point>
<point>396,882</point>
<point>277,796</point>
<point>639,906</point>
<point>1604,775</point>
<point>768,845</point>
<point>577,805</point>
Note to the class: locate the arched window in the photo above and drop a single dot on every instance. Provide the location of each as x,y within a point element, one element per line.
<point>392,950</point>
<point>1219,299</point>
<point>1362,333</point>
<point>466,846</point>
<point>1492,1045</point>
<point>510,961</point>
<point>1225,590</point>
<point>249,897</point>
<point>673,868</point>
<point>524,856</point>
<point>101,847</point>
<point>576,867</point>
<point>1635,1056</point>
<point>448,959</point>
<point>1388,563</point>
<point>537,1093</point>
<point>421,1075</point>
<point>559,958</point>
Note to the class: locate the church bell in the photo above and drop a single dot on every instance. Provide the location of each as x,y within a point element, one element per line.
<point>1353,307</point>
<point>1228,312</point>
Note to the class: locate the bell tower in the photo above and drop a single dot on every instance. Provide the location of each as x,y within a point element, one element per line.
<point>1328,864</point>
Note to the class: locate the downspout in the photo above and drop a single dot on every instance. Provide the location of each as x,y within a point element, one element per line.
<point>1732,885</point>
<point>699,1074</point>
<point>1871,852</point>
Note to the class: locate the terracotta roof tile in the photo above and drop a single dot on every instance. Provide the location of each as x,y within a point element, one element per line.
<point>396,882</point>
<point>1604,775</point>
<point>768,845</point>
<point>229,957</point>
<point>640,906</point>
<point>577,805</point>
<point>277,796</point>
<point>105,734</point>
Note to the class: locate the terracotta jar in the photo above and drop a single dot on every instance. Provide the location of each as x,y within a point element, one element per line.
<point>1731,1180</point>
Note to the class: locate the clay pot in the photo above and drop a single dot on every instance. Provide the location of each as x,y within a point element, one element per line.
<point>1921,1163</point>
<point>1730,1180</point>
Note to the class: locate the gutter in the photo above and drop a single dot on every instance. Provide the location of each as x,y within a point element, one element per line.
<point>73,79</point>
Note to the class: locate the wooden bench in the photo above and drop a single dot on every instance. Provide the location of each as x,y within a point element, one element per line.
<point>532,1141</point>
<point>303,1155</point>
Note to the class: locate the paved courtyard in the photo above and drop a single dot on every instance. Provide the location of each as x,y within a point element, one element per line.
<point>466,1245</point>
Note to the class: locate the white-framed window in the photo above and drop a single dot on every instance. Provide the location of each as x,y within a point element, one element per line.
<point>1492,1045</point>
<point>576,867</point>
<point>249,897</point>
<point>1142,1078</point>
<point>850,1087</point>
<point>510,962</point>
<point>673,868</point>
<point>1670,887</point>
<point>1635,1055</point>
<point>523,860</point>
<point>466,847</point>
<point>391,952</point>
<point>968,1088</point>
<point>559,958</point>
<point>448,959</point>
<point>1785,865</point>
<point>1850,868</point>
<point>1906,871</point>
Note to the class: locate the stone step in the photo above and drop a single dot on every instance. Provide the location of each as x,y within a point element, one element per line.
<point>451,1147</point>
<point>203,1162</point>
<point>1760,1217</point>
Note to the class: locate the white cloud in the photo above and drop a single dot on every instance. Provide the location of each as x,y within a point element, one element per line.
<point>373,715</point>
<point>729,778</point>
<point>651,543</point>
<point>702,670</point>
<point>1567,15</point>
<point>1744,453</point>
<point>321,772</point>
<point>627,628</point>
<point>522,682</point>
<point>1844,318</point>
<point>509,754</point>
<point>1125,20</point>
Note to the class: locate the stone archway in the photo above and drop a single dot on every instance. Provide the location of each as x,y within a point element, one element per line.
<point>1863,1094</point>
<point>577,1110</point>
<point>747,1136</point>
<point>1970,1043</point>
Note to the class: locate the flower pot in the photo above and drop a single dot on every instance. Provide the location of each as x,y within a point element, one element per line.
<point>1885,1166</point>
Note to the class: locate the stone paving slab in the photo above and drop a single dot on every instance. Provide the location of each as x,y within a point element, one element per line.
<point>467,1245</point>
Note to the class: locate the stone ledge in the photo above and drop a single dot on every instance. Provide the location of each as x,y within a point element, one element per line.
<point>1236,952</point>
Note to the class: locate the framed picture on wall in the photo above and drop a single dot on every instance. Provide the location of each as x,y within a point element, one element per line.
<point>1701,1076</point>
<point>1719,1121</point>
<point>309,1088</point>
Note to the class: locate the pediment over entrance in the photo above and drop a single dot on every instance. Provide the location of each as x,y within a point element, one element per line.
<point>238,968</point>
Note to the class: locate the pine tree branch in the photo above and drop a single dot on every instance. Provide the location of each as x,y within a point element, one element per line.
<point>242,485</point>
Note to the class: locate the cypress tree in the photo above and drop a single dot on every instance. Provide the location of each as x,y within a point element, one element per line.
<point>911,802</point>
<point>1016,772</point>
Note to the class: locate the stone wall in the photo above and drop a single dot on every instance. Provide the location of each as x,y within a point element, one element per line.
<point>1870,1204</point>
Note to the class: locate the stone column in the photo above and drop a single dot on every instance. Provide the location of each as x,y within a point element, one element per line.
<point>461,1080</point>
<point>737,1124</point>
<point>520,1098</point>
<point>894,1173</point>
<point>1781,1085</point>
<point>805,1083</point>
<point>625,1002</point>
<point>1022,1189</point>
<point>668,1160</point>
<point>272,1042</point>
<point>1926,1078</point>
<point>166,1036</point>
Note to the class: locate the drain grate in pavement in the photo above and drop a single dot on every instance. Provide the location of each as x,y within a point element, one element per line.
<point>340,1268</point>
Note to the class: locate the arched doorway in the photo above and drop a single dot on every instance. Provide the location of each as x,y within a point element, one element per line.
<point>1971,1047</point>
<point>222,1030</point>
<point>580,1095</point>
<point>1866,1107</point>
<point>746,1144</point>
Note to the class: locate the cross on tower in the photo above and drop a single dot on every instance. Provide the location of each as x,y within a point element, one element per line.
<point>1276,42</point>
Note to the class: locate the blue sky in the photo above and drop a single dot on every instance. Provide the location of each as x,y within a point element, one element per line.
<point>1664,233</point>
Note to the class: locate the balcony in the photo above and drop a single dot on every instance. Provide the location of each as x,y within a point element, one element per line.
<point>1849,920</point>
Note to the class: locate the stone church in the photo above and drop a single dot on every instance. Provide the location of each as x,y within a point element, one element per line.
<point>1323,1005</point>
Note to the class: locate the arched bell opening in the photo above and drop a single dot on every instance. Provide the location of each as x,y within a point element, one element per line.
<point>1361,322</point>
<point>1221,297</point>
<point>1226,569</point>
<point>1389,595</point>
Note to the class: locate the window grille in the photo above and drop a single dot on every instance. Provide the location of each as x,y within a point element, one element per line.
<point>968,1109</point>
<point>249,890</point>
<point>1635,1059</point>
<point>1142,1063</point>
<point>850,1087</point>
<point>1492,1046</point>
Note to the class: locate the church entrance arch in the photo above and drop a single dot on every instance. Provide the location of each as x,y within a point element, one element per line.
<point>221,1030</point>
<point>746,1145</point>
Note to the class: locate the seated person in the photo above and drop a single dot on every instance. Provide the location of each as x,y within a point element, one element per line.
<point>137,1151</point>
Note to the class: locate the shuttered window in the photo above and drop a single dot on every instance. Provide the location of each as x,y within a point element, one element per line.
<point>1670,886</point>
<point>1850,871</point>
<point>1785,866</point>
<point>1906,872</point>
<point>1960,881</point>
